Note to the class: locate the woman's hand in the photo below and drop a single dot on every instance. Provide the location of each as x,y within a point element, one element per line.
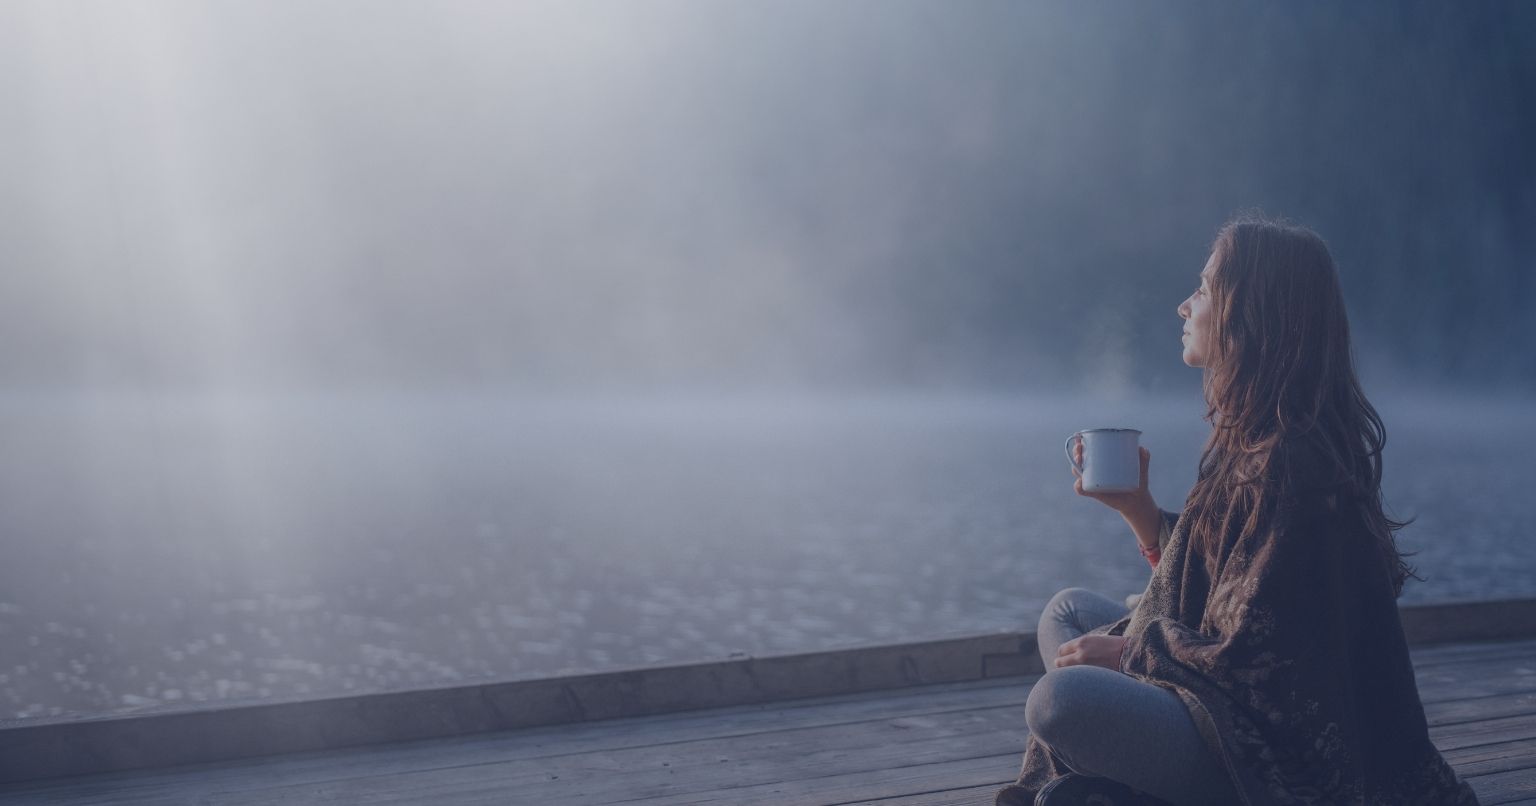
<point>1096,650</point>
<point>1131,505</point>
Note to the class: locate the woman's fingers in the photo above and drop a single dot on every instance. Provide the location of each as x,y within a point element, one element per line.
<point>1092,650</point>
<point>1077,455</point>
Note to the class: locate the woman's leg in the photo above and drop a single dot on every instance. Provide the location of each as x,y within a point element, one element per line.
<point>1071,613</point>
<point>1105,723</point>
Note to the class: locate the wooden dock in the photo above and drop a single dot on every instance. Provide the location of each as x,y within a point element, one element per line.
<point>939,743</point>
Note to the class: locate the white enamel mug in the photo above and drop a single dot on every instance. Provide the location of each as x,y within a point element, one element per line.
<point>1111,459</point>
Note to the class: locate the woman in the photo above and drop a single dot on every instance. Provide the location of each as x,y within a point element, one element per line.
<point>1265,663</point>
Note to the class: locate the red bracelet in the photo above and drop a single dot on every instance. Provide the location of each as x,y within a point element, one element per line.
<point>1152,554</point>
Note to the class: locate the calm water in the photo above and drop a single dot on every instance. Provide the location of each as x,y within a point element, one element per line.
<point>176,551</point>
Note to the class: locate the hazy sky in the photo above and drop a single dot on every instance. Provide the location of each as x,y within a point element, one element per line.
<point>725,193</point>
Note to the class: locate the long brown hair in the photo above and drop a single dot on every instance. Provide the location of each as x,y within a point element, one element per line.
<point>1288,412</point>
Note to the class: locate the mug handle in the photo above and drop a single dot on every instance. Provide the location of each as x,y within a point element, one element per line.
<point>1078,437</point>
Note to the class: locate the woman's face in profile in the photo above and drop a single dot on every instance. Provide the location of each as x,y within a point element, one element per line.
<point>1196,313</point>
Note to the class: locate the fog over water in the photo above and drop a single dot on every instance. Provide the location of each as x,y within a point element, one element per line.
<point>319,546</point>
<point>348,346</point>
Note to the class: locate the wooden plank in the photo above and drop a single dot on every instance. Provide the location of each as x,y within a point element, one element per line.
<point>993,772</point>
<point>1488,731</point>
<point>1448,663</point>
<point>1475,709</point>
<point>1491,758</point>
<point>967,796</point>
<point>727,723</point>
<point>1426,656</point>
<point>1504,787</point>
<point>1449,693</point>
<point>686,770</point>
<point>188,796</point>
<point>1463,681</point>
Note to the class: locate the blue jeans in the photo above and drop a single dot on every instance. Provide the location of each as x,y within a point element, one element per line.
<point>1104,723</point>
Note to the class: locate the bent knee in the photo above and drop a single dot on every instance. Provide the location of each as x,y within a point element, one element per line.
<point>1064,703</point>
<point>1068,593</point>
<point>1062,602</point>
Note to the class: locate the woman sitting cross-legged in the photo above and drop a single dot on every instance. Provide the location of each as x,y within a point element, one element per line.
<point>1265,663</point>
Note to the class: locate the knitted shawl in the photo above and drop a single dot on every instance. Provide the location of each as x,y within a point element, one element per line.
<point>1292,663</point>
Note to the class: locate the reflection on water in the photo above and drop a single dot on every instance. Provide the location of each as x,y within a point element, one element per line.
<point>167,552</point>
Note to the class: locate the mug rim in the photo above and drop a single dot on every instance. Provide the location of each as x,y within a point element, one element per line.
<point>1093,430</point>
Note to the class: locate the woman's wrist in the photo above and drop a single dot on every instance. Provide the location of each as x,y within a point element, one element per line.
<point>1146,521</point>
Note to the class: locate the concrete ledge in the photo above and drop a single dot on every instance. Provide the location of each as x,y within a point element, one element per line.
<point>32,749</point>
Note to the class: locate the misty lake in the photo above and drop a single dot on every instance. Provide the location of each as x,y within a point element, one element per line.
<point>176,551</point>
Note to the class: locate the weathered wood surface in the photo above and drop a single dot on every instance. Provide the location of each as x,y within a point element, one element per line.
<point>204,733</point>
<point>938,744</point>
